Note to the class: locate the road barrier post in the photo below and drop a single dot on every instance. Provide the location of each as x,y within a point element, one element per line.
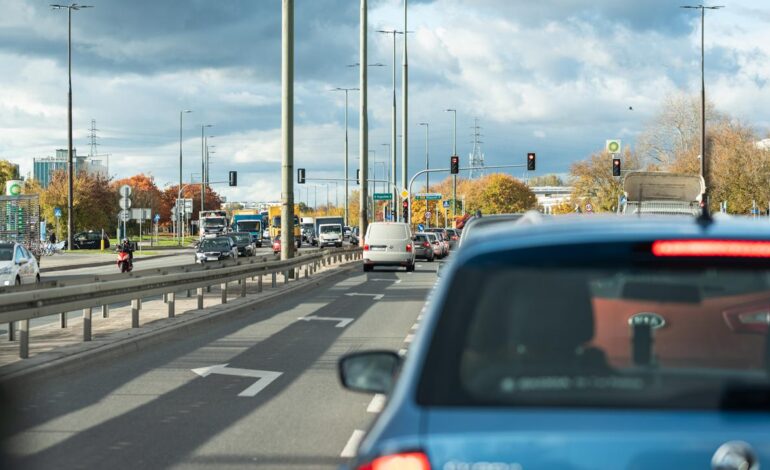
<point>171,298</point>
<point>63,320</point>
<point>243,287</point>
<point>135,306</point>
<point>274,280</point>
<point>24,339</point>
<point>11,331</point>
<point>87,324</point>
<point>259,283</point>
<point>223,288</point>
<point>105,311</point>
<point>286,277</point>
<point>199,293</point>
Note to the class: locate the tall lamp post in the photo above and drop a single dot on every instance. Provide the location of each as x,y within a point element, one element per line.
<point>393,147</point>
<point>703,172</point>
<point>70,165</point>
<point>179,195</point>
<point>346,90</point>
<point>203,168</point>
<point>454,152</point>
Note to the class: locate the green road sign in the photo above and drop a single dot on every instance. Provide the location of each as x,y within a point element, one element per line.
<point>613,146</point>
<point>428,196</point>
<point>383,196</point>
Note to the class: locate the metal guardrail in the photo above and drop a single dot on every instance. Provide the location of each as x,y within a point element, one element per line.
<point>22,306</point>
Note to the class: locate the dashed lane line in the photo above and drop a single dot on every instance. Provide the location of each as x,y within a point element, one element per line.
<point>352,445</point>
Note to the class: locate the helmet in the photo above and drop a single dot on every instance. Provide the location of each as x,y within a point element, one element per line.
<point>125,240</point>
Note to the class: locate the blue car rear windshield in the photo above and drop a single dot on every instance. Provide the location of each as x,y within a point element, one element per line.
<point>635,336</point>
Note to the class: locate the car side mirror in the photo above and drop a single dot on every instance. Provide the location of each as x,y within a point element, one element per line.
<point>369,371</point>
<point>22,261</point>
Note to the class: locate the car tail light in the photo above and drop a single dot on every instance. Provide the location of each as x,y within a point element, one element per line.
<point>454,237</point>
<point>403,461</point>
<point>752,319</point>
<point>712,248</point>
<point>366,247</point>
<point>409,248</point>
<point>426,244</point>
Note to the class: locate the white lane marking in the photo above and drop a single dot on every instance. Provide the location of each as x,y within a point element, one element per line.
<point>352,446</point>
<point>394,281</point>
<point>342,322</point>
<point>373,296</point>
<point>415,326</point>
<point>402,352</point>
<point>377,404</point>
<point>264,377</point>
<point>419,317</point>
<point>409,338</point>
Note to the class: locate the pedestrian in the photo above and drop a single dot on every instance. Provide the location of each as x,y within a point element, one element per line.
<point>52,238</point>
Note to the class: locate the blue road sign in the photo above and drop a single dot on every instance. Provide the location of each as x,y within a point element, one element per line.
<point>157,218</point>
<point>446,204</point>
<point>420,227</point>
<point>57,212</point>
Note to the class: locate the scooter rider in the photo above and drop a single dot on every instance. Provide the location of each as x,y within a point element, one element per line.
<point>125,246</point>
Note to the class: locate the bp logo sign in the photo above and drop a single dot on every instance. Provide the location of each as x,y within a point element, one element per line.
<point>13,187</point>
<point>613,146</point>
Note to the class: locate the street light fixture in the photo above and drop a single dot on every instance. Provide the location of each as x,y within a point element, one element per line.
<point>703,174</point>
<point>70,166</point>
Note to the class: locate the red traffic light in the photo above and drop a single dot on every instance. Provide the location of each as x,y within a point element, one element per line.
<point>531,161</point>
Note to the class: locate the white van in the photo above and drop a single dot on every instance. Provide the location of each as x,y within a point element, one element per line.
<point>388,244</point>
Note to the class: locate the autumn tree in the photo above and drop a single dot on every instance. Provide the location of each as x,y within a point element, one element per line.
<point>546,180</point>
<point>500,193</point>
<point>144,192</point>
<point>94,201</point>
<point>7,172</point>
<point>592,180</point>
<point>212,200</point>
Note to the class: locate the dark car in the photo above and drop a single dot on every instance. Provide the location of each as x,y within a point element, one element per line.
<point>583,343</point>
<point>90,240</point>
<point>423,248</point>
<point>244,242</point>
<point>216,249</point>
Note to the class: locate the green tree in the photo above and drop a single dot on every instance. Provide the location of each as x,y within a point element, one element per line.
<point>94,201</point>
<point>7,172</point>
<point>499,193</point>
<point>592,180</point>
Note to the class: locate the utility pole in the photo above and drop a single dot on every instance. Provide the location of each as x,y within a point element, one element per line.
<point>346,90</point>
<point>203,169</point>
<point>179,194</point>
<point>70,164</point>
<point>454,153</point>
<point>393,144</point>
<point>405,110</point>
<point>703,167</point>
<point>287,130</point>
<point>363,122</point>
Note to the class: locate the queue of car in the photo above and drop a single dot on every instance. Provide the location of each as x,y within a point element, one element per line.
<point>577,342</point>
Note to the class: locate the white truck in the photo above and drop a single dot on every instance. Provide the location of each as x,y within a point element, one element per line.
<point>653,192</point>
<point>329,231</point>
<point>213,223</point>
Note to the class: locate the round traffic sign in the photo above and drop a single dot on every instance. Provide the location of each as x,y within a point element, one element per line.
<point>125,190</point>
<point>613,146</point>
<point>124,215</point>
<point>125,203</point>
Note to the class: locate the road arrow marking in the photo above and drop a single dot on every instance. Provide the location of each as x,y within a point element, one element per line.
<point>343,322</point>
<point>373,296</point>
<point>264,377</point>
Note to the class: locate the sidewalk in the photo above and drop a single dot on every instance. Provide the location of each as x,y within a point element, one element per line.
<point>113,335</point>
<point>90,258</point>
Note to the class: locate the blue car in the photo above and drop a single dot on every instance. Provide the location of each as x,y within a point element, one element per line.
<point>584,343</point>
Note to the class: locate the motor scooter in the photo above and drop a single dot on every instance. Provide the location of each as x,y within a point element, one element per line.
<point>124,262</point>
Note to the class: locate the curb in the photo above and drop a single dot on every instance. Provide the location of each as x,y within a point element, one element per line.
<point>72,357</point>
<point>70,267</point>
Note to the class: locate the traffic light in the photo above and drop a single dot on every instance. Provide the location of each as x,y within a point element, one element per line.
<point>233,178</point>
<point>358,176</point>
<point>405,206</point>
<point>531,161</point>
<point>615,167</point>
<point>301,175</point>
<point>454,164</point>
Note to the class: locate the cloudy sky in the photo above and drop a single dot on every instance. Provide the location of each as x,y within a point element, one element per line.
<point>554,76</point>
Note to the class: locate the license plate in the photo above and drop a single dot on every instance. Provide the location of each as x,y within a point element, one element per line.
<point>212,258</point>
<point>377,248</point>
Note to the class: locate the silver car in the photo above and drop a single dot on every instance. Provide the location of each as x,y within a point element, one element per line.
<point>17,265</point>
<point>388,244</point>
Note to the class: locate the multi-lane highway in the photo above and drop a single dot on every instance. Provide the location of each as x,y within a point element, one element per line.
<point>259,391</point>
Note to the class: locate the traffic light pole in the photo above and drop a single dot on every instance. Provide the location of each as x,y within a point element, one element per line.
<point>447,170</point>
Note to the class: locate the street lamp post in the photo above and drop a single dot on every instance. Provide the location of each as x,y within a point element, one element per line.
<point>70,165</point>
<point>405,107</point>
<point>346,90</point>
<point>203,168</point>
<point>703,172</point>
<point>454,153</point>
<point>179,195</point>
<point>393,147</point>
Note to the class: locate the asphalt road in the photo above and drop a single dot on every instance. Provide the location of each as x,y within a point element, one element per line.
<point>150,409</point>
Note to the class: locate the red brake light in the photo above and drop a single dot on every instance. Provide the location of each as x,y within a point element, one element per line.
<point>426,244</point>
<point>712,248</point>
<point>409,247</point>
<point>366,247</point>
<point>404,461</point>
